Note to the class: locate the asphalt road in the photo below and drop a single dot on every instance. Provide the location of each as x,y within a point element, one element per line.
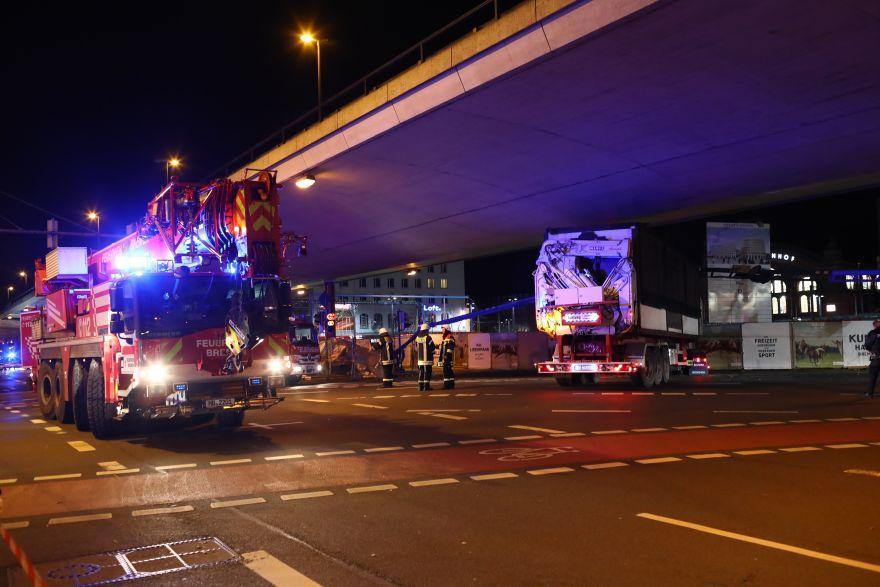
<point>717,480</point>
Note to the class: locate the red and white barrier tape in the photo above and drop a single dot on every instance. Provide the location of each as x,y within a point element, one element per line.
<point>29,569</point>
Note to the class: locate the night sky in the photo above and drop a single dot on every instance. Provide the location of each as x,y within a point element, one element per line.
<point>94,93</point>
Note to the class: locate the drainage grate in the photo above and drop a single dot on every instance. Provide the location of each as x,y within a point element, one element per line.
<point>138,563</point>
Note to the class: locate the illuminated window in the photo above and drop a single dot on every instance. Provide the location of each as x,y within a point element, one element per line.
<point>850,282</point>
<point>778,299</point>
<point>364,321</point>
<point>779,305</point>
<point>431,283</point>
<point>444,283</point>
<point>778,286</point>
<point>806,284</point>
<point>867,282</point>
<point>809,303</point>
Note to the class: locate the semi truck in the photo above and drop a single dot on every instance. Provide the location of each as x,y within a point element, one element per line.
<point>185,317</point>
<point>617,302</point>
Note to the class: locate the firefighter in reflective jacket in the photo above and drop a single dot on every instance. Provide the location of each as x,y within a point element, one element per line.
<point>425,357</point>
<point>385,346</point>
<point>447,358</point>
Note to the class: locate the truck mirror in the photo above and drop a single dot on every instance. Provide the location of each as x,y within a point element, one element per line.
<point>117,324</point>
<point>118,303</point>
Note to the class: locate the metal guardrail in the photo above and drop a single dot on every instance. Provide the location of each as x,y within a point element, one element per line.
<point>484,12</point>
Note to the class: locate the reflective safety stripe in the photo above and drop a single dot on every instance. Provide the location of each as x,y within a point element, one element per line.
<point>387,362</point>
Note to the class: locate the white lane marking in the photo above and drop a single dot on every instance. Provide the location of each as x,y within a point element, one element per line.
<point>808,421</point>
<point>648,429</point>
<point>383,396</point>
<point>412,395</point>
<point>841,419</point>
<point>610,465</point>
<point>612,393</point>
<point>76,519</point>
<point>762,542</point>
<point>237,502</point>
<point>274,571</point>
<point>729,425</point>
<point>709,455</point>
<point>431,445</point>
<point>755,412</point>
<point>863,472</point>
<point>111,465</point>
<point>490,476</point>
<point>608,432</point>
<point>747,453</point>
<point>430,482</point>
<point>478,441</point>
<point>583,393</point>
<point>15,525</point>
<point>383,448</point>
<point>527,437</point>
<point>696,427</point>
<point>536,429</point>
<point>870,417</point>
<point>592,411</point>
<point>52,428</point>
<point>272,426</point>
<point>445,416</point>
<point>567,434</point>
<point>766,423</point>
<point>172,467</point>
<point>304,392</point>
<point>438,395</point>
<point>371,406</point>
<point>705,393</point>
<point>38,421</point>
<point>306,495</point>
<point>334,453</point>
<point>230,462</point>
<point>643,393</point>
<point>665,393</point>
<point>851,445</point>
<point>162,511</point>
<point>282,457</point>
<point>550,471</point>
<point>875,443</point>
<point>432,410</point>
<point>315,400</point>
<point>465,395</point>
<point>747,393</point>
<point>7,481</point>
<point>118,472</point>
<point>657,460</point>
<point>371,488</point>
<point>800,449</point>
<point>54,477</point>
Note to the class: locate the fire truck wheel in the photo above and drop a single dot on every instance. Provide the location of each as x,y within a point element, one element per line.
<point>648,372</point>
<point>564,380</point>
<point>230,418</point>
<point>63,409</point>
<point>100,413</point>
<point>78,389</point>
<point>46,390</point>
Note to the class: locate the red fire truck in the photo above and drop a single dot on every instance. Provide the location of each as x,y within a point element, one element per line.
<point>185,316</point>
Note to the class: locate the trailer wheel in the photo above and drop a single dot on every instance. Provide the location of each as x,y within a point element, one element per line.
<point>665,367</point>
<point>648,373</point>
<point>63,409</point>
<point>100,413</point>
<point>45,386</point>
<point>230,419</point>
<point>78,389</point>
<point>586,379</point>
<point>564,380</point>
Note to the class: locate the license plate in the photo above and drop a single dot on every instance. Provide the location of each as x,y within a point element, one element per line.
<point>588,367</point>
<point>219,402</point>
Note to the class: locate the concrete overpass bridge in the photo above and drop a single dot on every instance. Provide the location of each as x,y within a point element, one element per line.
<point>564,113</point>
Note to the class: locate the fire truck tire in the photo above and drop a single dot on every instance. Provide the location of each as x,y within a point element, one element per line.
<point>78,389</point>
<point>230,418</point>
<point>564,380</point>
<point>665,367</point>
<point>63,409</point>
<point>100,413</point>
<point>46,390</point>
<point>648,372</point>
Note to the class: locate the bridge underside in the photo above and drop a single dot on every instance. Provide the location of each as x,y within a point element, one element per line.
<point>686,108</point>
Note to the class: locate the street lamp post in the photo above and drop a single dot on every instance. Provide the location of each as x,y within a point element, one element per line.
<point>308,39</point>
<point>23,275</point>
<point>9,293</point>
<point>95,217</point>
<point>174,162</point>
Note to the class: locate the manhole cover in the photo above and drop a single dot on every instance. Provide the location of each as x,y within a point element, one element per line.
<point>138,563</point>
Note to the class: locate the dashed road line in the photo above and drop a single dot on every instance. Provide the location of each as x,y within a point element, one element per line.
<point>38,421</point>
<point>237,502</point>
<point>761,451</point>
<point>274,571</point>
<point>695,427</point>
<point>306,495</point>
<point>537,429</point>
<point>52,428</point>
<point>431,445</point>
<point>333,453</point>
<point>800,449</point>
<point>841,419</point>
<point>375,407</point>
<point>863,472</point>
<point>648,429</point>
<point>283,457</point>
<point>657,460</point>
<point>550,471</point>
<point>478,441</point>
<point>491,476</point>
<point>57,477</point>
<point>708,455</point>
<point>77,519</point>
<point>807,421</point>
<point>567,434</point>
<point>850,445</point>
<point>15,525</point>
<point>762,542</point>
<point>432,482</point>
<point>611,465</point>
<point>315,400</point>
<point>527,437</point>
<point>728,425</point>
<point>173,467</point>
<point>229,462</point>
<point>444,416</point>
<point>755,412</point>
<point>599,432</point>
<point>592,411</point>
<point>162,511</point>
<point>111,465</point>
<point>118,472</point>
<point>7,481</point>
<point>383,449</point>
<point>371,488</point>
<point>766,423</point>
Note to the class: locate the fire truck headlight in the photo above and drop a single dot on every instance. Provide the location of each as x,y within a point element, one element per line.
<point>276,366</point>
<point>319,368</point>
<point>155,374</point>
<point>297,369</point>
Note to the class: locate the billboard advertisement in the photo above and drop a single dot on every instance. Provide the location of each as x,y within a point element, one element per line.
<point>479,351</point>
<point>766,346</point>
<point>817,345</point>
<point>730,245</point>
<point>853,335</point>
<point>722,352</point>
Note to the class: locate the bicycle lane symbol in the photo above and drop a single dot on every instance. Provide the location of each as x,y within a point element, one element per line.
<point>526,453</point>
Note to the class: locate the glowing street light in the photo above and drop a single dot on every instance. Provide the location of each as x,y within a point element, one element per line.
<point>174,163</point>
<point>23,275</point>
<point>94,216</point>
<point>304,182</point>
<point>9,291</point>
<point>308,38</point>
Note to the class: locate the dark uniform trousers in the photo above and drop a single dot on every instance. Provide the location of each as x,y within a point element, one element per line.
<point>873,372</point>
<point>425,356</point>
<point>387,374</point>
<point>386,354</point>
<point>447,357</point>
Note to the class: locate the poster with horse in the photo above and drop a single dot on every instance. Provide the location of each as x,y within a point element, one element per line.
<point>817,345</point>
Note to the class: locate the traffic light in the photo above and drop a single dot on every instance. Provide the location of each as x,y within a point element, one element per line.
<point>330,324</point>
